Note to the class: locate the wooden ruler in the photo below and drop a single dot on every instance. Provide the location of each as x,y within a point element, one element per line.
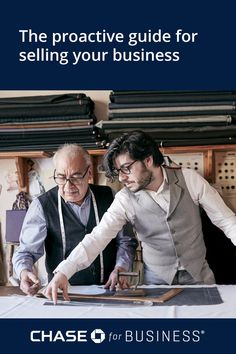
<point>165,297</point>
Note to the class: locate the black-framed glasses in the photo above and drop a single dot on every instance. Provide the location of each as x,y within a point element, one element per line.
<point>126,169</point>
<point>75,179</point>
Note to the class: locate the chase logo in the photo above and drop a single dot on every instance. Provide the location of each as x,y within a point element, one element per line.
<point>97,336</point>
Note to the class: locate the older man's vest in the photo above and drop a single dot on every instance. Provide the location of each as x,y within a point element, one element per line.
<point>75,232</point>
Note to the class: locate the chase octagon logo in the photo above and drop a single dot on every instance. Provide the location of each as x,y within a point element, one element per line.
<point>97,336</point>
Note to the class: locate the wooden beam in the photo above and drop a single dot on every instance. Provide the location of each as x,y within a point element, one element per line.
<point>208,155</point>
<point>26,154</point>
<point>21,167</point>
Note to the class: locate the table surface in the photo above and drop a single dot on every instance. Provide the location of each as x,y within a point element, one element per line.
<point>14,304</point>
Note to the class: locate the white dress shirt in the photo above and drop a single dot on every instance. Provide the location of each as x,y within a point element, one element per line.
<point>121,211</point>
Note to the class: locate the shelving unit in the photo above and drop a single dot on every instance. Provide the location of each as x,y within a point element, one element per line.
<point>208,152</point>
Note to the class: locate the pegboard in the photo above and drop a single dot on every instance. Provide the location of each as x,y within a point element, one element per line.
<point>225,171</point>
<point>190,160</point>
<point>225,176</point>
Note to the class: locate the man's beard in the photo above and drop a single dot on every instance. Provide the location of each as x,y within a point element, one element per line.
<point>144,181</point>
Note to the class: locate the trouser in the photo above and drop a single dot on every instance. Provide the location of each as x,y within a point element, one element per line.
<point>182,277</point>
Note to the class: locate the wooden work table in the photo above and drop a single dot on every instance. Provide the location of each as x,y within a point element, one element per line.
<point>10,290</point>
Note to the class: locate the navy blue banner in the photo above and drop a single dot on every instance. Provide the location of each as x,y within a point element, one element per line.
<point>119,45</point>
<point>161,45</point>
<point>188,336</point>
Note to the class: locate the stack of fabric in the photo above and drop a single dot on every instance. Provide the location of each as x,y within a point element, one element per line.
<point>173,118</point>
<point>45,122</point>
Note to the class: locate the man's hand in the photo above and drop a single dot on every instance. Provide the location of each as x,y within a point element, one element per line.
<point>29,283</point>
<point>113,282</point>
<point>59,281</point>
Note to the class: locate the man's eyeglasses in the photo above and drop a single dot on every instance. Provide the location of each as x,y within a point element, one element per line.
<point>75,179</point>
<point>126,169</point>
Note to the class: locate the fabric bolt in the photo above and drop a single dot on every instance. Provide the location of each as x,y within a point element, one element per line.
<point>124,97</point>
<point>48,105</point>
<point>170,112</point>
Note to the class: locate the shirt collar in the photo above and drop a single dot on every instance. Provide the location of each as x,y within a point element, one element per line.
<point>165,177</point>
<point>163,185</point>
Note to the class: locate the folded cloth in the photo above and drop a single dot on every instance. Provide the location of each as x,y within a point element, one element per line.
<point>170,96</point>
<point>46,106</point>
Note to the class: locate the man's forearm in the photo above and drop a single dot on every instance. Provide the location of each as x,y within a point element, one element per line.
<point>22,261</point>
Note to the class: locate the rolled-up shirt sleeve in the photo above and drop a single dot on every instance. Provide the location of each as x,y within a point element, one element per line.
<point>32,238</point>
<point>94,243</point>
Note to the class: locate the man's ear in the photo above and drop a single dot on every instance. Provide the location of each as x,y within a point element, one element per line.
<point>148,161</point>
<point>90,173</point>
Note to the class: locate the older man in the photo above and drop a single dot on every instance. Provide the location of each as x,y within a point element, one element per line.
<point>59,219</point>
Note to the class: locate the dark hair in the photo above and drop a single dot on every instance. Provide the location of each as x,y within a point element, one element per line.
<point>137,144</point>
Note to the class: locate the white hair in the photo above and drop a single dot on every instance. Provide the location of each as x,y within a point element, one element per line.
<point>71,151</point>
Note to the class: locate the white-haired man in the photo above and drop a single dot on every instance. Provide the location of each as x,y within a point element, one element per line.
<point>59,219</point>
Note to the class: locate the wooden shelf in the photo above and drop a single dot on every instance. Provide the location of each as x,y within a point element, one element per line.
<point>179,149</point>
<point>24,154</point>
<point>98,152</point>
<point>200,148</point>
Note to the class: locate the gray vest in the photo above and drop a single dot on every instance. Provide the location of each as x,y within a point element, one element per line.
<point>173,237</point>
